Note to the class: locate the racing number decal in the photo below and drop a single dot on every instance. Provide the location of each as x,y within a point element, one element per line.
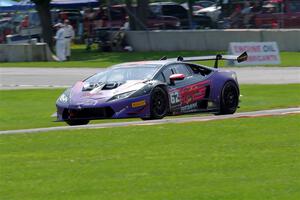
<point>186,98</point>
<point>175,98</point>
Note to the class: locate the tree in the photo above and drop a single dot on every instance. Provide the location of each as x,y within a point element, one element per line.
<point>142,13</point>
<point>190,12</point>
<point>130,14</point>
<point>43,8</point>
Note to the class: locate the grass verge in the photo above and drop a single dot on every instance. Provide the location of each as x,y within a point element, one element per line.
<point>95,59</point>
<point>254,158</point>
<point>32,108</point>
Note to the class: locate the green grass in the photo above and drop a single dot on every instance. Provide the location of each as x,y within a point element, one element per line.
<point>258,97</point>
<point>33,108</point>
<point>255,158</point>
<point>82,58</point>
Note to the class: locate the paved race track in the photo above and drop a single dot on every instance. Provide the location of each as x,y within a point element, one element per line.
<point>162,121</point>
<point>18,78</point>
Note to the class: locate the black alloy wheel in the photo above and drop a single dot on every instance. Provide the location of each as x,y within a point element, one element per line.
<point>229,98</point>
<point>158,103</point>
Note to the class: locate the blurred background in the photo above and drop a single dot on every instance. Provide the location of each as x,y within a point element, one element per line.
<point>24,19</point>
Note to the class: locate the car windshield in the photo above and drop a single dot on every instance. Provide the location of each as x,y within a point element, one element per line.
<point>124,74</point>
<point>154,9</point>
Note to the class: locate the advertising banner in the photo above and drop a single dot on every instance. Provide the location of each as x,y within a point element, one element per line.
<point>259,53</point>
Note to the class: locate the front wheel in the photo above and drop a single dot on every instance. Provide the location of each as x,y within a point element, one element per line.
<point>77,122</point>
<point>229,98</point>
<point>158,104</point>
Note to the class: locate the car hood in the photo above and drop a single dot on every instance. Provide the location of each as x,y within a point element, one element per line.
<point>77,93</point>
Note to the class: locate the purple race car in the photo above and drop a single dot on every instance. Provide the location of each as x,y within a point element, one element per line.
<point>152,90</point>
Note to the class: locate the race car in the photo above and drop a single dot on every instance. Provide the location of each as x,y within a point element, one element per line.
<point>152,90</point>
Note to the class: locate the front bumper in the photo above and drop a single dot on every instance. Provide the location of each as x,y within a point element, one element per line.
<point>124,108</point>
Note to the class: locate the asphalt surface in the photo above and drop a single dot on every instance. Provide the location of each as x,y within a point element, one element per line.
<point>162,121</point>
<point>21,78</point>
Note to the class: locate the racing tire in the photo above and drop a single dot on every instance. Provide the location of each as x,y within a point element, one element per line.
<point>77,122</point>
<point>158,104</point>
<point>229,98</point>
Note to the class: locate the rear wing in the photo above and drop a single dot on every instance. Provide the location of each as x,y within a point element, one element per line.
<point>241,58</point>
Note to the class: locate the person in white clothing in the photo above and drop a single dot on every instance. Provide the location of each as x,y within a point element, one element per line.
<point>69,36</point>
<point>60,42</point>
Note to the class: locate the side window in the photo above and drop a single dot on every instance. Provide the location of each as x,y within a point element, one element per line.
<point>167,73</point>
<point>160,77</point>
<point>196,69</point>
<point>167,10</point>
<point>181,10</point>
<point>199,70</point>
<point>155,9</point>
<point>182,69</point>
<point>174,10</point>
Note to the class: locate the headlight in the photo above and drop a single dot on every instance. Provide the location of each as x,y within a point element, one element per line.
<point>121,96</point>
<point>64,98</point>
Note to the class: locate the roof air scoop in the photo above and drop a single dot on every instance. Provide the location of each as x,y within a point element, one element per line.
<point>179,58</point>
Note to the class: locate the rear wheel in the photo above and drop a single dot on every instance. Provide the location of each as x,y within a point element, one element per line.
<point>158,104</point>
<point>77,122</point>
<point>229,98</point>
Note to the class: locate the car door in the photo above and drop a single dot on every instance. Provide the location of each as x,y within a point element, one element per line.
<point>185,94</point>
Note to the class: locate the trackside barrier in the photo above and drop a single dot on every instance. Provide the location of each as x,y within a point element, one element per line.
<point>25,52</point>
<point>214,40</point>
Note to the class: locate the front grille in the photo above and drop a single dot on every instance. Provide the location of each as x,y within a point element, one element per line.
<point>89,113</point>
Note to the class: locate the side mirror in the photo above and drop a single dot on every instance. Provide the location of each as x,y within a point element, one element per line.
<point>176,77</point>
